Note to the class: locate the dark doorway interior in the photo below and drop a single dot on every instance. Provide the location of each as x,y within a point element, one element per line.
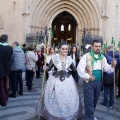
<point>64,28</point>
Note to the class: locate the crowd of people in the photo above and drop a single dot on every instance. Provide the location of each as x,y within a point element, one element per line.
<point>60,99</point>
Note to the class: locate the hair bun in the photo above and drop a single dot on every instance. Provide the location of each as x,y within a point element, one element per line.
<point>63,42</point>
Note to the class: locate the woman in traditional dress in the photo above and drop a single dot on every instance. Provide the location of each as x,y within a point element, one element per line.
<point>61,100</point>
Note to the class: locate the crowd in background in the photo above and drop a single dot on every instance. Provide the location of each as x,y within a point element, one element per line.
<point>16,59</point>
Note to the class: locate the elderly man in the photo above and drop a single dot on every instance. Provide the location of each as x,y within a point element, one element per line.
<point>5,61</point>
<point>90,69</point>
<point>18,62</point>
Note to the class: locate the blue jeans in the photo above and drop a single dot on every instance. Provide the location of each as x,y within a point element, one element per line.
<point>108,92</point>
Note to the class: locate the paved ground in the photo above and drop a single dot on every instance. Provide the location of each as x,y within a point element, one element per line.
<point>24,107</point>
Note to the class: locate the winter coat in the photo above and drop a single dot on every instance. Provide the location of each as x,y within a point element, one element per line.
<point>5,60</point>
<point>31,60</point>
<point>109,56</point>
<point>18,59</point>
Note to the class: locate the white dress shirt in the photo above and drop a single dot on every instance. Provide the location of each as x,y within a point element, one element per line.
<point>96,66</point>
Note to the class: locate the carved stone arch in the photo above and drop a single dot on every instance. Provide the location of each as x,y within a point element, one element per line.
<point>42,11</point>
<point>79,21</point>
<point>86,13</point>
<point>43,6</point>
<point>61,4</point>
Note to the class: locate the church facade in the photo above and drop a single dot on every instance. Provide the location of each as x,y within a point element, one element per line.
<point>18,18</point>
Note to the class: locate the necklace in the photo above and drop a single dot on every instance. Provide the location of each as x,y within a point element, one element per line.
<point>63,59</point>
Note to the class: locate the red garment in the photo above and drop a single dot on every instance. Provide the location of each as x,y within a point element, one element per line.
<point>40,61</point>
<point>3,91</point>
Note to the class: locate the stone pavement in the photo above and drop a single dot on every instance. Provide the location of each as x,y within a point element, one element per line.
<point>24,107</point>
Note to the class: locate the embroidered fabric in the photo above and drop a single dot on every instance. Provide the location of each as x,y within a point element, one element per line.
<point>61,100</point>
<point>58,63</point>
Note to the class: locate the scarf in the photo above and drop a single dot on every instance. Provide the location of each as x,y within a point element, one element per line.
<point>19,47</point>
<point>100,57</point>
<point>4,44</point>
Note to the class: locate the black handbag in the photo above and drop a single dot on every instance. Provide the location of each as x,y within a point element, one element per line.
<point>108,80</point>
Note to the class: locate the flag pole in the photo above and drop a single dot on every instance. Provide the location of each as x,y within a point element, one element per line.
<point>113,42</point>
<point>44,76</point>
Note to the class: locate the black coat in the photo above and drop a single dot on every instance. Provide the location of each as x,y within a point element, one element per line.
<point>76,58</point>
<point>5,60</point>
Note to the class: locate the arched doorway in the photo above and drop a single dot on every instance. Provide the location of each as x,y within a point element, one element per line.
<point>64,28</point>
<point>86,13</point>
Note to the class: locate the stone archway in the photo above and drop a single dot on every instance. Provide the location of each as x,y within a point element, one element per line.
<point>86,13</point>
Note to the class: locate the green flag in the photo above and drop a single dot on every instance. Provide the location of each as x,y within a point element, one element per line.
<point>106,44</point>
<point>105,47</point>
<point>119,44</point>
<point>113,41</point>
<point>45,41</point>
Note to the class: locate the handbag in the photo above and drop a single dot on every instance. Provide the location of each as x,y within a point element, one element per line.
<point>108,80</point>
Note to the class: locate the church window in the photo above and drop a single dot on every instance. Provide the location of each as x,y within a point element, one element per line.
<point>69,27</point>
<point>62,27</point>
<point>54,27</point>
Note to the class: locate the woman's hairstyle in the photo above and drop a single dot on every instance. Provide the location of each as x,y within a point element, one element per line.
<point>31,48</point>
<point>62,43</point>
<point>50,50</point>
<point>72,49</point>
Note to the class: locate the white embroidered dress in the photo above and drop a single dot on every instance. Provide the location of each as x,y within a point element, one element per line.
<point>61,100</point>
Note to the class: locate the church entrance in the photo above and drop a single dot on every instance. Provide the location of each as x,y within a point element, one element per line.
<point>64,28</point>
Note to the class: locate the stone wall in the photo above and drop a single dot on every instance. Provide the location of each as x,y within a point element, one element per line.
<point>20,17</point>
